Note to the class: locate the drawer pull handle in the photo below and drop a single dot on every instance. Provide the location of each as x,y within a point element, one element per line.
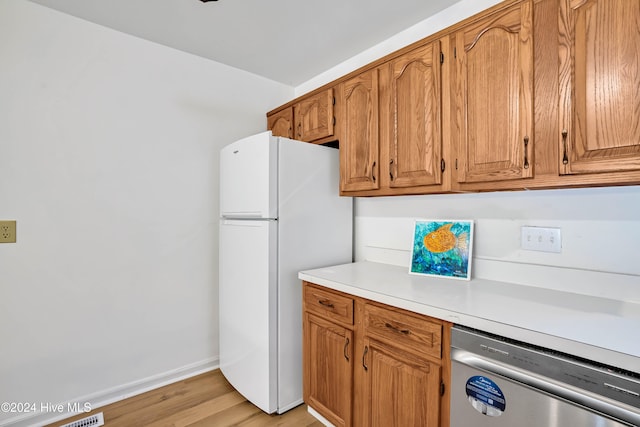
<point>325,303</point>
<point>346,345</point>
<point>396,329</point>
<point>364,355</point>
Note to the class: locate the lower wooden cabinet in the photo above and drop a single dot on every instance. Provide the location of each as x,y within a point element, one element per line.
<point>383,366</point>
<point>401,389</point>
<point>329,375</point>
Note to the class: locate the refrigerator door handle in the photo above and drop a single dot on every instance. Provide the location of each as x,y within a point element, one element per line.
<point>241,215</point>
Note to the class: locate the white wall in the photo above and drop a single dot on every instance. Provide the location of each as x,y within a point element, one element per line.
<point>600,226</point>
<point>108,162</point>
<point>459,11</point>
<point>600,234</point>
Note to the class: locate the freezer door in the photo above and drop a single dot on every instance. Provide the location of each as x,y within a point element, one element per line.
<point>248,316</point>
<point>248,178</point>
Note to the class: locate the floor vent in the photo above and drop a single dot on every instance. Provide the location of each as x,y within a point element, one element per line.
<point>91,421</point>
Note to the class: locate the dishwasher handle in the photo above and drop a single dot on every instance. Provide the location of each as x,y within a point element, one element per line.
<point>581,397</point>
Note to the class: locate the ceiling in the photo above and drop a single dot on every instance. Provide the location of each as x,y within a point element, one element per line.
<point>289,41</point>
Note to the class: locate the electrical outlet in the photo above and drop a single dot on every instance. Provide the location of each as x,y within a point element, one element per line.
<point>541,239</point>
<point>7,231</point>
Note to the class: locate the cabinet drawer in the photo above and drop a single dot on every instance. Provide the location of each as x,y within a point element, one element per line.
<point>409,332</point>
<point>328,304</point>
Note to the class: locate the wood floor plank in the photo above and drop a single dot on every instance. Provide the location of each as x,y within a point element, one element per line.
<point>296,417</point>
<point>192,415</point>
<point>229,417</point>
<point>161,403</point>
<point>201,401</point>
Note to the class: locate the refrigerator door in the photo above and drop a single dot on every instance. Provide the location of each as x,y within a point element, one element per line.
<point>314,230</point>
<point>248,315</point>
<point>248,178</point>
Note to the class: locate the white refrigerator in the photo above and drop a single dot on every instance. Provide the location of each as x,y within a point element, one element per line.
<point>280,213</point>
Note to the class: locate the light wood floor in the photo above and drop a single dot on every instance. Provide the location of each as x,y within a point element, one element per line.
<point>204,400</point>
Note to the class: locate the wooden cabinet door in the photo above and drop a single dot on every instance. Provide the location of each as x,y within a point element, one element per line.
<point>359,142</point>
<point>314,117</point>
<point>599,86</point>
<point>281,123</point>
<point>416,136</point>
<point>328,369</point>
<point>402,390</point>
<point>494,96</point>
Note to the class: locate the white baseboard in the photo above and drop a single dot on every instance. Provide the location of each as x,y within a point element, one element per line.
<point>319,417</point>
<point>115,394</point>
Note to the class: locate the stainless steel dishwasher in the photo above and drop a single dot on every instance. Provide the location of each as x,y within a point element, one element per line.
<point>497,382</point>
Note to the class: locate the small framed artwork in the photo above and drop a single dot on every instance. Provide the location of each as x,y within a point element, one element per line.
<point>442,248</point>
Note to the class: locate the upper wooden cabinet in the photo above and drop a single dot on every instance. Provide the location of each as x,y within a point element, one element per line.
<point>313,117</point>
<point>281,123</point>
<point>359,146</point>
<point>310,119</point>
<point>526,94</point>
<point>494,96</point>
<point>415,156</point>
<point>390,132</point>
<point>600,80</point>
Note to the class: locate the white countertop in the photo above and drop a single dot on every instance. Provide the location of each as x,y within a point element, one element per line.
<point>600,329</point>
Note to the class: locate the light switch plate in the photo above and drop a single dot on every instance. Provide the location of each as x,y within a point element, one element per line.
<point>7,231</point>
<point>541,239</point>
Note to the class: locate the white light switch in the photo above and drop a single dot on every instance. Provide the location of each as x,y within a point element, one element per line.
<point>541,239</point>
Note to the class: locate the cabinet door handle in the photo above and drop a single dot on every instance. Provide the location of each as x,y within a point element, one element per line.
<point>391,169</point>
<point>299,130</point>
<point>346,346</point>
<point>565,158</point>
<point>373,171</point>
<point>364,355</point>
<point>526,152</point>
<point>394,328</point>
<point>325,303</point>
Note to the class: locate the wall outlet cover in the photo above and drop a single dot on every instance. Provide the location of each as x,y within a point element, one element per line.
<point>543,239</point>
<point>7,231</point>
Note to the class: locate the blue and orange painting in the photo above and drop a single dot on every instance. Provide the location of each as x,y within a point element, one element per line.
<point>442,248</point>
